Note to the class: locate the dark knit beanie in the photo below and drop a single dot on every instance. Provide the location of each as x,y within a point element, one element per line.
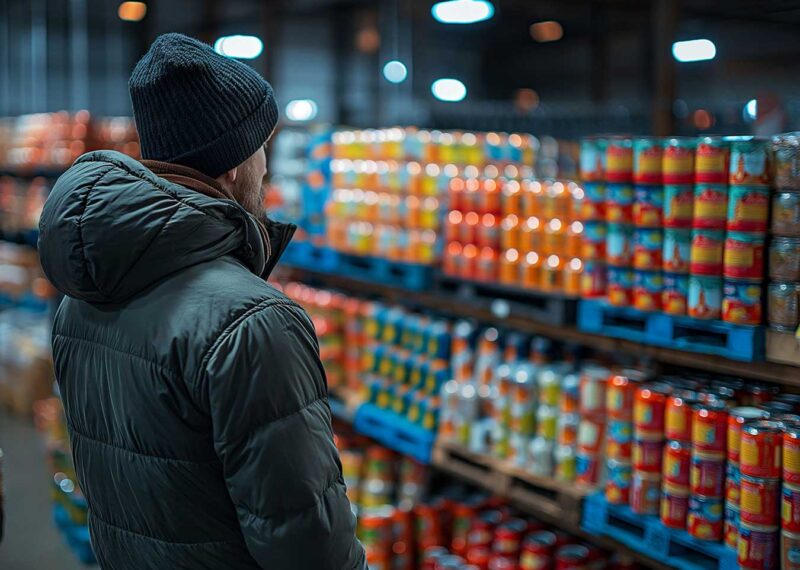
<point>197,108</point>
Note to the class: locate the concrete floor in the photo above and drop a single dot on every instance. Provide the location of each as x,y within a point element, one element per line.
<point>30,540</point>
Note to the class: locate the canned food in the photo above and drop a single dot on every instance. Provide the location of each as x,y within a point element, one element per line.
<point>648,206</point>
<point>647,456</point>
<point>619,203</point>
<point>782,306</point>
<point>592,207</point>
<point>741,303</point>
<point>587,467</point>
<point>647,158</point>
<point>791,454</point>
<point>744,256</point>
<point>678,416</point>
<point>708,474</point>
<point>677,463</point>
<point>572,557</point>
<point>710,206</point>
<point>620,286</point>
<point>711,160</point>
<point>647,249</point>
<point>704,520</point>
<point>705,257</point>
<point>620,392</point>
<point>593,382</point>
<point>565,461</point>
<point>678,160</point>
<point>648,287</point>
<point>709,427</point>
<point>648,411</point>
<point>593,159</point>
<point>619,160</point>
<point>508,537</point>
<point>748,209</point>
<point>790,551</point>
<point>784,259</point>
<point>593,280</point>
<point>737,417</point>
<point>590,435</point>
<point>674,506</point>
<point>733,483</point>
<point>675,294</point>
<point>619,442</point>
<point>538,549</point>
<point>787,160</point>
<point>618,482</point>
<point>758,547</point>
<point>619,246</point>
<point>761,448</point>
<point>790,508</point>
<point>749,164</point>
<point>645,493</point>
<point>760,499</point>
<point>593,244</point>
<point>731,525</point>
<point>677,250</point>
<point>786,213</point>
<point>705,297</point>
<point>678,206</point>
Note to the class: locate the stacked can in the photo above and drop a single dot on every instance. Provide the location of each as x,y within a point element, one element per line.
<point>678,176</point>
<point>541,448</point>
<point>783,299</point>
<point>746,225</point>
<point>619,219</point>
<point>592,407</point>
<point>761,470</point>
<point>707,473</point>
<point>648,440</point>
<point>647,218</point>
<point>620,394</point>
<point>790,498</point>
<point>591,211</point>
<point>565,459</point>
<point>677,460</point>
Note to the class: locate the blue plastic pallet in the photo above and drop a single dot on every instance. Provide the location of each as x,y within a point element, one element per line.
<point>737,342</point>
<point>305,255</point>
<point>406,275</point>
<point>395,432</point>
<point>76,536</point>
<point>646,534</point>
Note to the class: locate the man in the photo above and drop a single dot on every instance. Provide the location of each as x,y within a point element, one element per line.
<point>194,394</point>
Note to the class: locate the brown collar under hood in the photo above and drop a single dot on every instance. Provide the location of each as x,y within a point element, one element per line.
<point>275,236</point>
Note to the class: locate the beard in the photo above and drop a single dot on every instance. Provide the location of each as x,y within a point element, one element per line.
<point>249,193</point>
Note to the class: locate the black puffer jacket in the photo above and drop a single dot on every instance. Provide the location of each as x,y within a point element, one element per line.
<point>194,394</point>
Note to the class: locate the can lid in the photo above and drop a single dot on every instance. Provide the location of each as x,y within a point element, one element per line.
<point>762,426</point>
<point>542,537</point>
<point>790,535</point>
<point>712,456</point>
<point>748,413</point>
<point>572,552</point>
<point>758,527</point>
<point>676,445</point>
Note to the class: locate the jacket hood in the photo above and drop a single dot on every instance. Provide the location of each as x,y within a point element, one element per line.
<point>110,228</point>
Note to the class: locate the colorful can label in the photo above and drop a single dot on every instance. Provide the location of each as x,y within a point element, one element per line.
<point>736,419</point>
<point>678,161</point>
<point>647,289</point>
<point>618,482</point>
<point>790,508</point>
<point>647,160</point>
<point>593,244</point>
<point>674,296</point>
<point>677,463</point>
<point>748,209</point>
<point>645,493</point>
<point>706,253</point>
<point>758,547</point>
<point>593,205</point>
<point>705,297</point>
<point>790,551</point>
<point>619,250</point>
<point>731,528</point>
<point>786,213</point>
<point>620,286</point>
<point>619,204</point>
<point>674,509</point>
<point>791,456</point>
<point>647,456</point>
<point>619,160</point>
<point>594,191</point>
<point>648,206</point>
<point>761,449</point>
<point>710,206</point>
<point>705,518</point>
<point>744,256</point>
<point>593,280</point>
<point>709,428</point>
<point>586,467</point>
<point>678,206</point>
<point>759,500</point>
<point>741,303</point>
<point>648,245</point>
<point>749,163</point>
<point>733,483</point>
<point>677,250</point>
<point>678,419</point>
<point>707,474</point>
<point>711,160</point>
<point>648,411</point>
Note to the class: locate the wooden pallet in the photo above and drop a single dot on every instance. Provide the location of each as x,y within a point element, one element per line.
<point>546,496</point>
<point>503,300</point>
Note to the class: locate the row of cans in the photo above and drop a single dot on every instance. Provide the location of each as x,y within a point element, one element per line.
<point>739,160</point>
<point>523,197</point>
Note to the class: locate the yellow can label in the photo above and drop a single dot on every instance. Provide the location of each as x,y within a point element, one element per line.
<point>791,457</point>
<point>675,421</point>
<point>786,510</point>
<point>750,501</point>
<point>702,433</point>
<point>708,251</point>
<point>749,452</point>
<point>739,257</point>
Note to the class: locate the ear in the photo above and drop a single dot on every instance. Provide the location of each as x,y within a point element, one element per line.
<point>228,177</point>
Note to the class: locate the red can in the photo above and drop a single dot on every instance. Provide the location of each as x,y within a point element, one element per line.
<point>761,449</point>
<point>647,456</point>
<point>705,518</point>
<point>537,551</point>
<point>678,416</point>
<point>481,531</point>
<point>572,557</point>
<point>759,500</point>
<point>620,393</point>
<point>710,426</point>
<point>508,537</point>
<point>791,454</point>
<point>677,463</point>
<point>648,411</point>
<point>707,474</point>
<point>737,417</point>
<point>463,513</point>
<point>758,547</point>
<point>790,508</point>
<point>674,506</point>
<point>479,556</point>
<point>645,493</point>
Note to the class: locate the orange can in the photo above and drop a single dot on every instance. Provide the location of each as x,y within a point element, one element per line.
<point>620,393</point>
<point>710,426</point>
<point>791,454</point>
<point>761,449</point>
<point>648,410</point>
<point>510,267</point>
<point>531,269</point>
<point>737,417</point>
<point>678,416</point>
